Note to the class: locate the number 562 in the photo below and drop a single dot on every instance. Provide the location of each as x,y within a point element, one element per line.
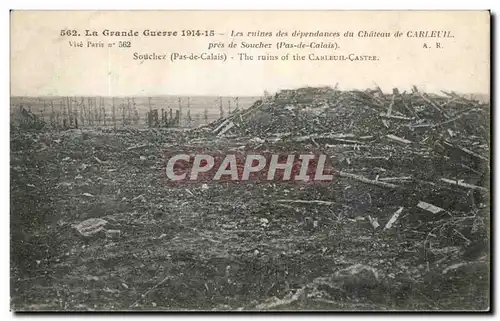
<point>124,44</point>
<point>66,32</point>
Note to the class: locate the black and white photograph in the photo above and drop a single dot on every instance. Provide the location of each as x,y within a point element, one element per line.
<point>250,161</point>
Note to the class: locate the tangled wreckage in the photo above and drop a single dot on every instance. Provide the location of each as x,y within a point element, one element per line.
<point>424,155</point>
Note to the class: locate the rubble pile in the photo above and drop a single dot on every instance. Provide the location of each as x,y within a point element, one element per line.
<point>449,131</point>
<point>418,162</point>
<point>409,116</point>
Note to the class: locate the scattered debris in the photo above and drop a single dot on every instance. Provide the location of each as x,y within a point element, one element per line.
<point>100,161</point>
<point>394,218</point>
<point>138,146</point>
<point>429,207</point>
<point>113,234</point>
<point>91,227</point>
<point>257,140</point>
<point>399,139</point>
<point>290,298</point>
<point>139,198</point>
<point>357,276</point>
<point>308,223</point>
<point>374,222</point>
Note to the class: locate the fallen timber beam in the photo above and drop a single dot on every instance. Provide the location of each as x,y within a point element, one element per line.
<point>389,109</point>
<point>225,129</point>
<point>464,185</point>
<point>396,117</point>
<point>430,102</point>
<point>220,126</point>
<point>138,146</point>
<point>394,218</point>
<point>404,179</point>
<point>429,207</point>
<point>457,117</point>
<point>306,202</point>
<point>399,139</point>
<point>366,180</point>
<point>330,138</point>
<point>465,150</point>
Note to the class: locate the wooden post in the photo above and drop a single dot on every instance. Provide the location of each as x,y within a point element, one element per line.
<point>70,116</point>
<point>104,111</point>
<point>52,115</point>
<point>180,112</point>
<point>63,108</point>
<point>188,117</point>
<point>128,110</point>
<point>150,113</point>
<point>198,119</point>
<point>75,112</point>
<point>56,114</point>
<point>81,111</point>
<point>123,114</point>
<point>113,110</point>
<point>133,112</point>
<point>101,108</point>
<point>220,108</point>
<point>89,113</point>
<point>96,110</point>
